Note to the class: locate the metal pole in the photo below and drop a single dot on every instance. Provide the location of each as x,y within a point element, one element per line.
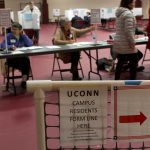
<point>6,47</point>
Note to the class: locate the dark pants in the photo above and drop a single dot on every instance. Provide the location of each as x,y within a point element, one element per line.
<point>139,55</point>
<point>75,56</point>
<point>132,59</point>
<point>33,34</point>
<point>36,36</point>
<point>20,63</point>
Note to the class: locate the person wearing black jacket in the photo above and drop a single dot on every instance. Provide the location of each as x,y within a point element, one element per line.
<point>87,19</point>
<point>74,22</point>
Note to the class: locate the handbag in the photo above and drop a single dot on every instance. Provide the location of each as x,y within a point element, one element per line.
<point>104,64</point>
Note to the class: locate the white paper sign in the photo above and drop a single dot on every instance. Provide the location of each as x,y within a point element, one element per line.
<point>5,20</point>
<point>132,113</point>
<point>83,118</point>
<point>95,16</point>
<point>56,12</point>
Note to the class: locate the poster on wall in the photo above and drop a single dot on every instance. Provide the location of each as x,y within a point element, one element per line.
<point>5,18</point>
<point>83,116</point>
<point>56,12</point>
<point>95,16</point>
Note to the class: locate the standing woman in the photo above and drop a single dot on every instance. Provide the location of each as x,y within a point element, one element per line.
<point>124,43</point>
<point>67,35</point>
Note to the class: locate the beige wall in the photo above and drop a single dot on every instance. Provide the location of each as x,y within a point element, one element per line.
<point>15,5</point>
<point>67,4</point>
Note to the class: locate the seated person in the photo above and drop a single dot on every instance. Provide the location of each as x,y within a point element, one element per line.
<point>87,19</point>
<point>67,35</point>
<point>74,22</point>
<point>103,22</point>
<point>18,39</point>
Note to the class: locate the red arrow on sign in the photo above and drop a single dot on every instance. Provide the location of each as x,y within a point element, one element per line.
<point>133,118</point>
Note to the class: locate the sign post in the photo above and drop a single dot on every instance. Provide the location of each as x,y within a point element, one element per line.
<point>95,19</point>
<point>5,22</point>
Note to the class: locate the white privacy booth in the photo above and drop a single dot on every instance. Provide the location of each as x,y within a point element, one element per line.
<point>91,114</point>
<point>80,11</point>
<point>29,20</point>
<point>108,13</point>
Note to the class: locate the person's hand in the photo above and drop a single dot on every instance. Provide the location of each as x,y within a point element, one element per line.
<point>71,41</point>
<point>92,28</point>
<point>132,47</point>
<point>22,32</point>
<point>14,47</point>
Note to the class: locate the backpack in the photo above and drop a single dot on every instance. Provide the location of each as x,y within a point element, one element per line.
<point>104,63</point>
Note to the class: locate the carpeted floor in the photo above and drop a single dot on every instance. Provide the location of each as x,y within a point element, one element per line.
<point>17,113</point>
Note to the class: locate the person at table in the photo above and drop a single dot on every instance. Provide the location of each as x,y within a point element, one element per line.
<point>87,19</point>
<point>36,13</point>
<point>18,39</point>
<point>66,34</point>
<point>124,40</point>
<point>75,21</point>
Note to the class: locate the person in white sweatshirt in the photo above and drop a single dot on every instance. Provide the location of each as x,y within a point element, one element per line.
<point>34,10</point>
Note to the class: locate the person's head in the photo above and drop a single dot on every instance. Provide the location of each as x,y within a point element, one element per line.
<point>31,4</point>
<point>88,13</point>
<point>16,28</point>
<point>130,4</point>
<point>65,24</point>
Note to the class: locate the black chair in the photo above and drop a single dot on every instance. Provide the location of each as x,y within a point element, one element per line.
<point>144,56</point>
<point>57,66</point>
<point>11,75</point>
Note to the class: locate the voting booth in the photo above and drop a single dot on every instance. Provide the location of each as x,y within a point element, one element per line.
<point>80,11</point>
<point>92,115</point>
<point>29,20</point>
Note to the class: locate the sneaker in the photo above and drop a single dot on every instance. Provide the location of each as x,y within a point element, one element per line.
<point>140,68</point>
<point>23,84</point>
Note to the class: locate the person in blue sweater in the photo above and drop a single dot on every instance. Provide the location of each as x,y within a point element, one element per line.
<point>16,38</point>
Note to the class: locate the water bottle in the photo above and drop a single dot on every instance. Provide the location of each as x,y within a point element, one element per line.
<point>94,38</point>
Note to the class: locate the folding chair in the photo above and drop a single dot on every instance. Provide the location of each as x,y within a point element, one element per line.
<point>144,56</point>
<point>10,75</point>
<point>57,66</point>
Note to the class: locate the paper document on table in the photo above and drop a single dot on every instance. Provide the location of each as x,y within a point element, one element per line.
<point>17,52</point>
<point>82,43</point>
<point>53,46</point>
<point>21,48</point>
<point>86,43</point>
<point>34,47</point>
<point>142,38</point>
<point>28,48</point>
<point>79,44</point>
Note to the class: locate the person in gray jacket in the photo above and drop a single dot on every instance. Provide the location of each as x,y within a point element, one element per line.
<point>124,40</point>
